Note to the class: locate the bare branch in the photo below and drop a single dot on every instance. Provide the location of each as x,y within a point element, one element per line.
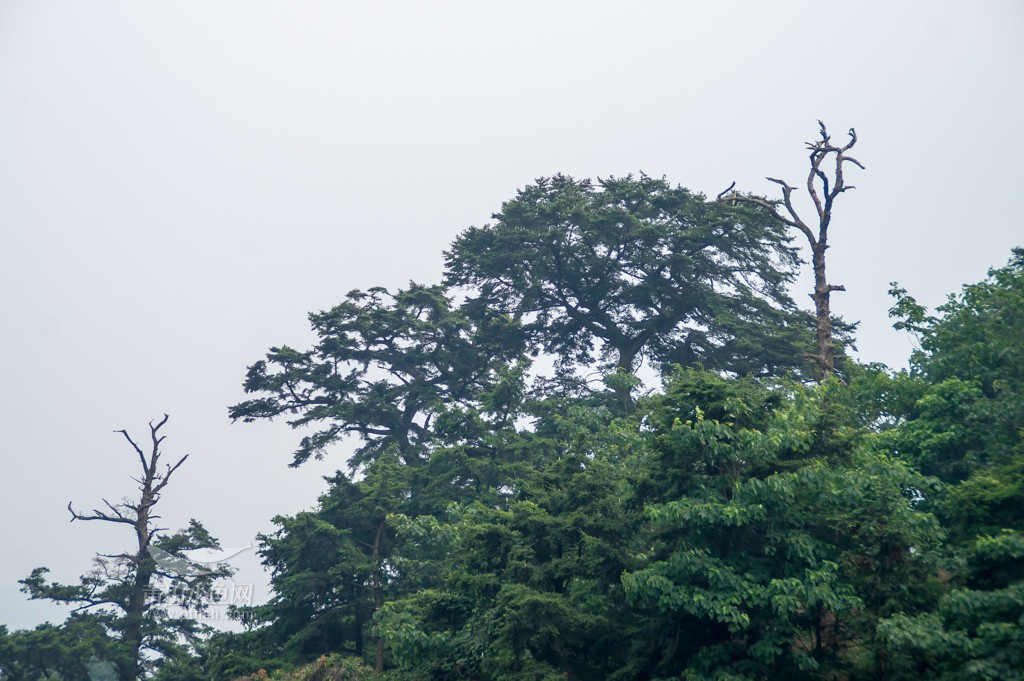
<point>167,476</point>
<point>157,439</point>
<point>726,191</point>
<point>100,515</point>
<point>817,156</point>
<point>116,556</point>
<point>854,162</point>
<point>755,201</point>
<point>93,602</point>
<point>159,425</point>
<point>111,506</point>
<point>853,140</point>
<point>785,186</point>
<point>142,457</point>
<point>824,183</point>
<point>794,221</point>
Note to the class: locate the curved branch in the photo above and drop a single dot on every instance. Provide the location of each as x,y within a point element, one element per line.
<point>726,191</point>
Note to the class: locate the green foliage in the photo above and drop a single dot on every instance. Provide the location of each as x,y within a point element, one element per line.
<point>639,268</point>
<point>326,668</point>
<point>966,424</point>
<point>975,632</point>
<point>385,366</point>
<point>322,564</point>
<point>980,333</point>
<point>225,656</point>
<point>77,650</point>
<point>526,589</point>
<point>168,624</point>
<point>775,538</point>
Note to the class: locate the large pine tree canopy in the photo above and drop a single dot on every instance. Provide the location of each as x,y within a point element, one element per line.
<point>636,267</point>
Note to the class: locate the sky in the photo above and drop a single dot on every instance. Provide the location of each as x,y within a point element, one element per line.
<point>181,183</point>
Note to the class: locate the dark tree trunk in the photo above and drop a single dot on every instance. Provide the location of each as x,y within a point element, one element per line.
<point>627,356</point>
<point>825,356</point>
<point>132,636</point>
<point>627,350</point>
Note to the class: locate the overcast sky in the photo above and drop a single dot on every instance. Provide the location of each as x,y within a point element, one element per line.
<point>182,182</point>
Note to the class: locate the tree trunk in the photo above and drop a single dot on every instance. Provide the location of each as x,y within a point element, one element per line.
<point>825,356</point>
<point>134,615</point>
<point>625,364</point>
<point>627,353</point>
<point>132,636</point>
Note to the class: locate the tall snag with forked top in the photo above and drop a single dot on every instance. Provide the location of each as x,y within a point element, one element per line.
<point>129,592</point>
<point>823,189</point>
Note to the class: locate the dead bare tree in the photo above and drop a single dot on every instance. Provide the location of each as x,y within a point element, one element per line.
<point>823,189</point>
<point>140,516</point>
<point>125,584</point>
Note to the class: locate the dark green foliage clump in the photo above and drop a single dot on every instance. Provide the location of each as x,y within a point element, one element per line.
<point>635,267</point>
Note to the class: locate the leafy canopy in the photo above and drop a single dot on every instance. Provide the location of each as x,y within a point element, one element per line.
<point>638,268</point>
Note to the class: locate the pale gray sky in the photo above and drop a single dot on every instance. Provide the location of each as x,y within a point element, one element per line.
<point>181,182</point>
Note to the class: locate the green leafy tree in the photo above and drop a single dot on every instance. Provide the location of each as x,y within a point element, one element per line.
<point>739,530</point>
<point>408,373</point>
<point>326,668</point>
<point>965,423</point>
<point>975,632</point>
<point>329,567</point>
<point>385,366</point>
<point>525,587</point>
<point>639,269</point>
<point>336,567</point>
<point>776,540</point>
<point>80,649</point>
<point>228,655</point>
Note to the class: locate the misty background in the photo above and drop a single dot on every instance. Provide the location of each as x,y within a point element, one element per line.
<point>182,182</point>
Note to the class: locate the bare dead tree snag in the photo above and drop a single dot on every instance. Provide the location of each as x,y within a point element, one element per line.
<point>823,188</point>
<point>132,591</point>
<point>139,514</point>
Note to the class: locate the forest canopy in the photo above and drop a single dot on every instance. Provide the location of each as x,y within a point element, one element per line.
<point>523,500</point>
